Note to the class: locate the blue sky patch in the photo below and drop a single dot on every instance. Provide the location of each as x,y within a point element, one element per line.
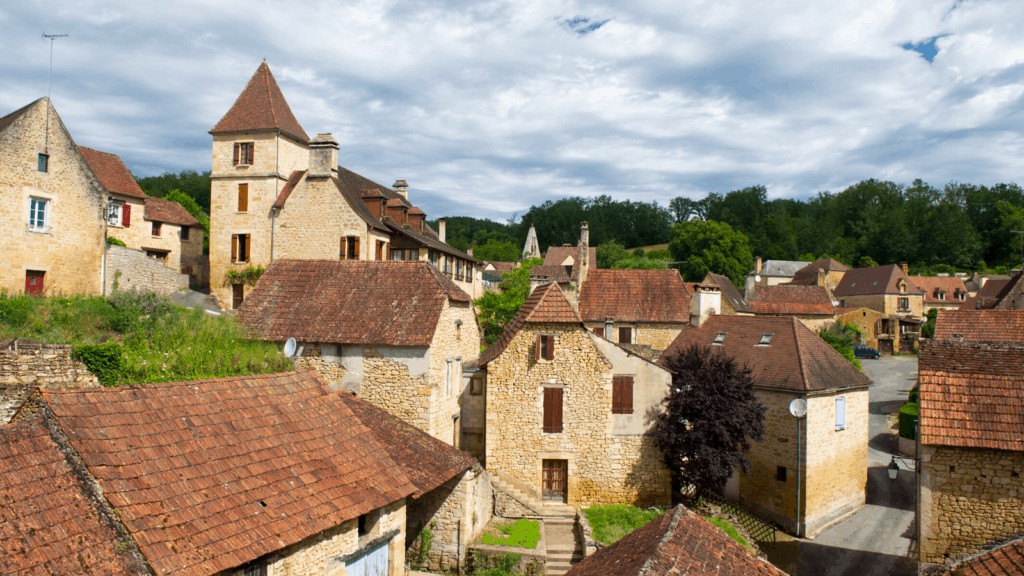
<point>926,49</point>
<point>582,26</point>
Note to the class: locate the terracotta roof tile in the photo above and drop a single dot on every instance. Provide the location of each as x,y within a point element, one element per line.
<point>261,106</point>
<point>111,172</point>
<point>635,296</point>
<point>427,240</point>
<point>559,255</point>
<point>678,542</point>
<point>729,292</point>
<point>48,524</point>
<point>1004,560</point>
<point>211,474</point>
<point>809,274</point>
<point>980,325</point>
<point>168,211</point>
<point>791,299</point>
<point>427,461</point>
<point>396,303</point>
<point>546,304</point>
<point>971,395</point>
<point>934,286</point>
<point>553,273</point>
<point>794,359</point>
<point>874,280</point>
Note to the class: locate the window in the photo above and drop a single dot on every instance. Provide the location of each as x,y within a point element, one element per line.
<point>720,338</point>
<point>938,295</point>
<point>399,254</point>
<point>244,153</point>
<point>840,414</point>
<point>157,254</point>
<point>545,347</point>
<point>599,331</point>
<point>625,335</point>
<point>258,569</point>
<point>184,232</point>
<point>553,410</point>
<point>39,215</point>
<point>349,248</point>
<point>432,255</point>
<point>382,249</point>
<point>43,163</point>
<point>119,214</point>
<point>622,395</point>
<point>157,226</point>
<point>241,247</point>
<point>459,268</point>
<point>780,473</point>
<point>766,339</point>
<point>243,197</point>
<point>903,303</point>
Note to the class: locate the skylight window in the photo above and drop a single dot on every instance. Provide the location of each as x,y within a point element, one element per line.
<point>721,337</point>
<point>766,339</point>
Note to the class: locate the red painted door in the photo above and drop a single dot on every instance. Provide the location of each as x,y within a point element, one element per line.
<point>34,282</point>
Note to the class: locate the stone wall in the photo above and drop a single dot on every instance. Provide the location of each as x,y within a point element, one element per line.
<point>131,269</point>
<point>70,250</point>
<point>866,320</point>
<point>969,498</point>
<point>455,514</point>
<point>603,467</point>
<point>25,367</point>
<point>655,335</point>
<point>457,346</point>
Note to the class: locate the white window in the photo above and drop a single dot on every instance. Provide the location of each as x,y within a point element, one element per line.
<point>39,215</point>
<point>118,214</point>
<point>448,379</point>
<point>840,414</point>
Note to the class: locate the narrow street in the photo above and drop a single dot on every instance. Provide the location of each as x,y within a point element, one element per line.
<point>876,540</point>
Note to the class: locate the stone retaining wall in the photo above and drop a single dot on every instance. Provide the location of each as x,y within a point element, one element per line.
<point>133,270</point>
<point>26,366</point>
<point>455,514</point>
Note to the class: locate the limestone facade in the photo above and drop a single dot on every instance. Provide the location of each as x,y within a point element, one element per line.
<point>969,497</point>
<point>25,367</point>
<point>656,335</point>
<point>610,458</point>
<point>64,244</point>
<point>163,243</point>
<point>130,269</point>
<point>866,320</point>
<point>888,304</point>
<point>455,513</point>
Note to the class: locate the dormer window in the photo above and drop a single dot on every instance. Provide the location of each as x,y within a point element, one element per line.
<point>902,286</point>
<point>721,337</point>
<point>766,339</point>
<point>244,152</point>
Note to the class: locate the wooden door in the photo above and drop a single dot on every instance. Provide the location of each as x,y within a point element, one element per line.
<point>237,295</point>
<point>555,474</point>
<point>374,562</point>
<point>34,282</point>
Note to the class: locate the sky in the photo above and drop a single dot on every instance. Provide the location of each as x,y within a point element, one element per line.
<point>489,107</point>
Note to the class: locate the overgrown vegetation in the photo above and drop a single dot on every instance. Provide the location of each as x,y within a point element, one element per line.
<point>928,330</point>
<point>506,565</point>
<point>115,242</point>
<point>137,337</point>
<point>612,522</point>
<point>729,529</point>
<point>496,309</point>
<point>522,533</point>
<point>841,337</point>
<point>908,419</point>
<point>249,275</point>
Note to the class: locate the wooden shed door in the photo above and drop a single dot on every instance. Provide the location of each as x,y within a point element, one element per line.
<point>34,282</point>
<point>555,479</point>
<point>237,296</point>
<point>373,563</point>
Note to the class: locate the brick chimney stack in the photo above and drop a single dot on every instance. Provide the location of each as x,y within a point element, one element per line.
<point>323,156</point>
<point>584,259</point>
<point>905,267</point>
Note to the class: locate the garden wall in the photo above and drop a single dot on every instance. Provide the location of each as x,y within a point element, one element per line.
<point>27,366</point>
<point>132,269</point>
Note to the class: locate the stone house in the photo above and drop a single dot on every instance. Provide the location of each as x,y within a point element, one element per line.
<point>732,302</point>
<point>275,194</point>
<point>397,333</point>
<point>811,305</point>
<point>888,290</point>
<point>273,474</point>
<point>642,307</point>
<point>867,322</point>
<point>941,292</point>
<point>807,472</point>
<point>970,441</point>
<point>52,205</point>
<point>567,411</point>
<point>827,272</point>
<point>677,542</point>
<point>771,273</point>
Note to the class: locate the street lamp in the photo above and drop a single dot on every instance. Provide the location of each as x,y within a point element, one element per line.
<point>893,469</point>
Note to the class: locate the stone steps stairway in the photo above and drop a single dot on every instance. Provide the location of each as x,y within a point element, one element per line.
<point>564,550</point>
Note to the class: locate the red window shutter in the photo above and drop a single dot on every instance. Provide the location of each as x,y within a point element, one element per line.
<point>234,247</point>
<point>622,395</point>
<point>553,410</point>
<point>237,149</point>
<point>126,215</point>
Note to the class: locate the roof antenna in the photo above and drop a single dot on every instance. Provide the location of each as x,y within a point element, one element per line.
<point>49,74</point>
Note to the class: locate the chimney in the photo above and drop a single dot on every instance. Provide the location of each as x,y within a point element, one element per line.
<point>440,229</point>
<point>402,187</point>
<point>323,156</point>
<point>584,259</point>
<point>757,266</point>
<point>821,276</point>
<point>905,267</point>
<point>706,301</point>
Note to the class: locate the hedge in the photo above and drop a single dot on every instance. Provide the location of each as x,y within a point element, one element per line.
<point>908,421</point>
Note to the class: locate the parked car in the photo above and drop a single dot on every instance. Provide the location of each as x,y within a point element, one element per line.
<point>865,351</point>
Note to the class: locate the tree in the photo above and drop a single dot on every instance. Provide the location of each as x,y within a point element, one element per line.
<point>189,204</point>
<point>192,183</point>
<point>711,416</point>
<point>496,309</point>
<point>841,337</point>
<point>609,253</point>
<point>928,330</point>
<point>710,247</point>
<point>495,250</point>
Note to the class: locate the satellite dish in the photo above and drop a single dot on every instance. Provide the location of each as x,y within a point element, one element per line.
<point>757,277</point>
<point>290,346</point>
<point>798,407</point>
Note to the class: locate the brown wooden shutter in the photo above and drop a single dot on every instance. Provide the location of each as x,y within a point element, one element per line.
<point>126,215</point>
<point>234,247</point>
<point>248,247</point>
<point>625,335</point>
<point>237,147</point>
<point>553,410</point>
<point>599,331</point>
<point>622,395</point>
<point>549,352</point>
<point>355,250</point>
<point>243,197</point>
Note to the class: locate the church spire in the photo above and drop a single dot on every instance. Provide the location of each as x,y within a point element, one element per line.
<point>261,106</point>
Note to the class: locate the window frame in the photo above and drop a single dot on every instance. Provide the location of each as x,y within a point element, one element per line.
<point>43,163</point>
<point>552,410</point>
<point>903,303</point>
<point>545,347</point>
<point>241,248</point>
<point>157,228</point>
<point>622,394</point>
<point>183,233</point>
<point>244,153</point>
<point>35,223</point>
<point>840,413</point>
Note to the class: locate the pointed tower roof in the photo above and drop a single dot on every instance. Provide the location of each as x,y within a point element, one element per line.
<point>531,249</point>
<point>261,106</point>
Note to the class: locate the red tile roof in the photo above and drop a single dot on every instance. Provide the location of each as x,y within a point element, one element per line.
<point>212,474</point>
<point>933,286</point>
<point>559,274</point>
<point>546,304</point>
<point>729,292</point>
<point>795,358</point>
<point>168,211</point>
<point>48,524</point>
<point>680,543</point>
<point>557,255</point>
<point>111,172</point>
<point>427,461</point>
<point>635,296</point>
<point>809,274</point>
<point>1004,560</point>
<point>791,299</point>
<point>874,280</point>
<point>261,106</point>
<point>980,325</point>
<point>989,295</point>
<point>971,395</point>
<point>395,303</point>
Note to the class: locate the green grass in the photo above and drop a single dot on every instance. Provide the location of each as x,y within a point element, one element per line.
<point>519,534</point>
<point>729,529</point>
<point>145,337</point>
<point>610,523</point>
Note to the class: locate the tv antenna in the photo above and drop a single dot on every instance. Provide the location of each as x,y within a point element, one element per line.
<point>49,75</point>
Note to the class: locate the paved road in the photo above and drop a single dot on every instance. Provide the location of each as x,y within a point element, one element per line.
<point>876,539</point>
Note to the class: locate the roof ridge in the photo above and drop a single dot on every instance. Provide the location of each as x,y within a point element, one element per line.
<point>666,536</point>
<point>799,351</point>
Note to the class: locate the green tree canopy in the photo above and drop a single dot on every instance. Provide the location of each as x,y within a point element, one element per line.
<point>496,309</point>
<point>190,182</point>
<point>710,247</point>
<point>497,250</point>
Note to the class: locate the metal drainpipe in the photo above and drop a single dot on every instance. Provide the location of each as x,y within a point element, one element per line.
<point>277,186</point>
<point>799,444</point>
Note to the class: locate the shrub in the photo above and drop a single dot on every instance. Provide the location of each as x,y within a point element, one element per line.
<point>115,242</point>
<point>104,360</point>
<point>908,421</point>
<point>507,565</point>
<point>15,311</point>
